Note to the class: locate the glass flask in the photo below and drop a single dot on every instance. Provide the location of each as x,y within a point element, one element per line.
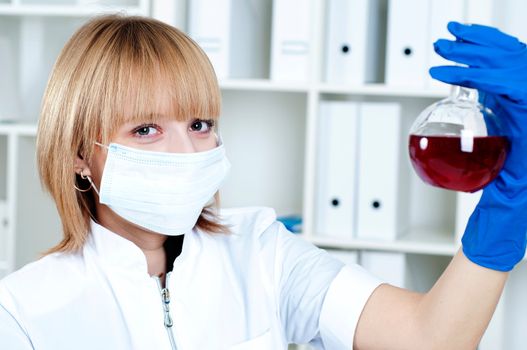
<point>457,143</point>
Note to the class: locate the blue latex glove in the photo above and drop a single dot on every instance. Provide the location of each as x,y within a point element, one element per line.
<point>496,234</point>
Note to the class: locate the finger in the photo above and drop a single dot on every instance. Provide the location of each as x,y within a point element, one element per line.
<point>475,55</point>
<point>486,80</point>
<point>484,35</point>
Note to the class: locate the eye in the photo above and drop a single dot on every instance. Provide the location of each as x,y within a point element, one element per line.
<point>202,126</point>
<point>146,130</point>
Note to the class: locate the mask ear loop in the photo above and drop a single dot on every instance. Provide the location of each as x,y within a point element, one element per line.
<point>219,140</point>
<point>100,144</point>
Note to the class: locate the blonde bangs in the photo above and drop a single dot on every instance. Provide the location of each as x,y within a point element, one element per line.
<point>159,71</point>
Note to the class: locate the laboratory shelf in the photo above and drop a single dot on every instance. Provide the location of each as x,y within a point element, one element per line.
<point>324,88</point>
<point>262,85</point>
<point>381,90</point>
<point>64,10</point>
<point>23,129</point>
<point>418,241</point>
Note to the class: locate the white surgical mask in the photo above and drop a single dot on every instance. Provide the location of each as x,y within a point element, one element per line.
<point>162,192</point>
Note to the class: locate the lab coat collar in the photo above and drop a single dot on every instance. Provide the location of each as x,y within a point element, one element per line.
<point>117,252</point>
<point>113,250</point>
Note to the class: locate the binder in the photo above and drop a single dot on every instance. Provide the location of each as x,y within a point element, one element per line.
<point>3,231</point>
<point>352,37</point>
<point>465,204</point>
<point>388,266</point>
<point>165,11</point>
<point>381,210</point>
<point>479,12</point>
<point>291,40</point>
<point>348,257</point>
<point>441,12</point>
<point>406,55</point>
<point>10,108</point>
<point>249,49</point>
<point>497,332</point>
<point>209,26</point>
<point>336,169</point>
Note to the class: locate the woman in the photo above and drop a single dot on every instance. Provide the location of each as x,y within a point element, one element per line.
<point>128,148</point>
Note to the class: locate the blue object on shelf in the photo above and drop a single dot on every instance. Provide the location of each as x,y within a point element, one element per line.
<point>292,222</point>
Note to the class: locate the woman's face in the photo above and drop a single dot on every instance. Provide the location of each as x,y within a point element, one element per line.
<point>165,135</point>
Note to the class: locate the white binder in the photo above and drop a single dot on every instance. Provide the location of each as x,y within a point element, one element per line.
<point>479,12</point>
<point>209,26</point>
<point>406,54</point>
<point>465,204</point>
<point>497,334</point>
<point>249,43</point>
<point>441,12</point>
<point>388,266</point>
<point>352,37</point>
<point>3,231</point>
<point>291,40</point>
<point>336,169</point>
<point>165,11</point>
<point>10,106</point>
<point>380,212</point>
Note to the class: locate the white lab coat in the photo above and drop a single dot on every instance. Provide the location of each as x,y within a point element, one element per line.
<point>258,288</point>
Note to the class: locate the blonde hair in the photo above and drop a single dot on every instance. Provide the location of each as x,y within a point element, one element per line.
<point>111,64</point>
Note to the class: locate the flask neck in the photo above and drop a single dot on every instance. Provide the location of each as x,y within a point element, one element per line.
<point>462,93</point>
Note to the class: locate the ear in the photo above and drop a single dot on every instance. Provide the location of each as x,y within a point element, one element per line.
<point>81,166</point>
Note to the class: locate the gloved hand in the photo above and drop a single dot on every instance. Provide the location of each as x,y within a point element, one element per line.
<point>496,234</point>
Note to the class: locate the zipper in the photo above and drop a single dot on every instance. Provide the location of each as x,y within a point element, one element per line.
<point>165,301</point>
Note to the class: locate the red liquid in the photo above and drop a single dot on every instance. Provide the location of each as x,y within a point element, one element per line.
<point>443,164</point>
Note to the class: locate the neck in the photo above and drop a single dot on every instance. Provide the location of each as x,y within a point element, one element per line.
<point>149,242</point>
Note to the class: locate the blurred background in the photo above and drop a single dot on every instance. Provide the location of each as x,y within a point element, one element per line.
<point>318,97</point>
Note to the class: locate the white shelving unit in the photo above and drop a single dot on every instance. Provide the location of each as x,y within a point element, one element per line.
<point>11,137</point>
<point>32,34</point>
<point>269,127</point>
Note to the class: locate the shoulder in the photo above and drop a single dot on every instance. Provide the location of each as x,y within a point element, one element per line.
<point>245,221</point>
<point>48,268</point>
<point>253,231</point>
<point>40,282</point>
<point>259,226</point>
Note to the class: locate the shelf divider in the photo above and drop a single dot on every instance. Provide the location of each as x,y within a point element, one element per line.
<point>418,241</point>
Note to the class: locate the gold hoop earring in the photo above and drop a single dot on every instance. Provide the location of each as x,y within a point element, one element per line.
<point>84,177</point>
